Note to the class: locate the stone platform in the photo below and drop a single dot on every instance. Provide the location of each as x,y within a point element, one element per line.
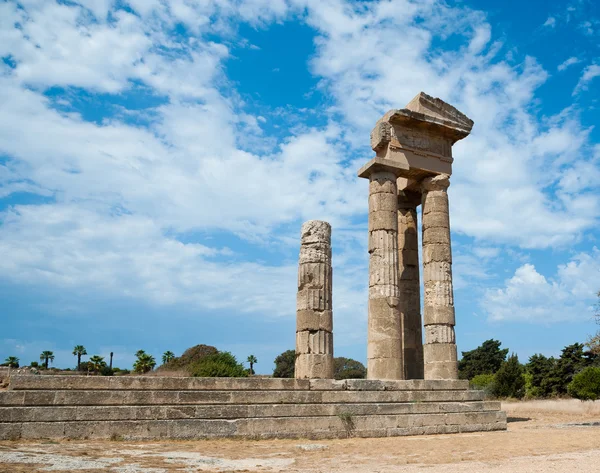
<point>82,407</point>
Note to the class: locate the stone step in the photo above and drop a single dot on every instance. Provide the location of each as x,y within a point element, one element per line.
<point>131,398</point>
<point>344,425</point>
<point>106,413</point>
<point>155,383</point>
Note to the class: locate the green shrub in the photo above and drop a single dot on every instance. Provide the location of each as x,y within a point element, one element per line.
<point>34,364</point>
<point>347,368</point>
<point>107,371</point>
<point>483,382</point>
<point>509,380</point>
<point>586,384</point>
<point>189,357</point>
<point>285,364</point>
<point>218,365</point>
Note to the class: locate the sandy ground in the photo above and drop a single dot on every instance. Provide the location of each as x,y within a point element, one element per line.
<point>543,436</point>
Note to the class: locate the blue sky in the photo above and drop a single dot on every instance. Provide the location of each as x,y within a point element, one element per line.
<point>157,159</point>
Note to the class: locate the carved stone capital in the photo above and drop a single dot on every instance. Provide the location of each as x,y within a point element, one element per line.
<point>440,182</point>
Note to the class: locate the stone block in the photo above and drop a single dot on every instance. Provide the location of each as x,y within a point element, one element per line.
<point>385,368</point>
<point>439,334</point>
<point>437,271</point>
<point>383,201</point>
<point>315,231</point>
<point>313,299</point>
<point>385,348</point>
<point>408,258</point>
<point>383,220</point>
<point>440,369</point>
<point>315,253</point>
<point>316,342</point>
<point>314,276</point>
<point>437,219</point>
<point>434,315</point>
<point>436,235</point>
<point>432,202</point>
<point>309,366</point>
<point>314,320</point>
<point>436,252</point>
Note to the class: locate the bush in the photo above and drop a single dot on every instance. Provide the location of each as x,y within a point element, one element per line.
<point>189,357</point>
<point>34,364</point>
<point>218,365</point>
<point>586,384</point>
<point>347,368</point>
<point>509,380</point>
<point>484,382</point>
<point>285,365</point>
<point>107,371</point>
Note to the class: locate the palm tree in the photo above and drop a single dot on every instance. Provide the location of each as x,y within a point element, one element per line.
<point>144,362</point>
<point>111,356</point>
<point>252,359</point>
<point>47,356</point>
<point>79,350</point>
<point>12,362</point>
<point>97,362</point>
<point>167,356</point>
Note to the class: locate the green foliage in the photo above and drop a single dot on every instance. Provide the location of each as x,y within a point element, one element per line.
<point>509,380</point>
<point>485,359</point>
<point>85,366</point>
<point>107,371</point>
<point>47,356</point>
<point>12,362</point>
<point>540,378</point>
<point>218,365</point>
<point>79,351</point>
<point>347,368</point>
<point>483,382</point>
<point>189,357</point>
<point>284,365</point>
<point>34,364</point>
<point>167,357</point>
<point>96,363</point>
<point>252,360</point>
<point>586,384</point>
<point>144,362</point>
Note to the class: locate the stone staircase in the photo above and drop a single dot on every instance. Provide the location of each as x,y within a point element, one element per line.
<point>88,407</point>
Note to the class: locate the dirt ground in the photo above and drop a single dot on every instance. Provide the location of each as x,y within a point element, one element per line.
<point>543,436</point>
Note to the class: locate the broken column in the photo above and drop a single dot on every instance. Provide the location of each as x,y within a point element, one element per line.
<point>314,316</point>
<point>440,344</point>
<point>409,286</point>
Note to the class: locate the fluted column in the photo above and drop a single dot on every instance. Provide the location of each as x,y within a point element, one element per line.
<point>384,353</point>
<point>409,286</point>
<point>314,316</point>
<point>439,351</point>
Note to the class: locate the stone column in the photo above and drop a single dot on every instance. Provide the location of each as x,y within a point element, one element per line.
<point>409,286</point>
<point>314,316</point>
<point>439,351</point>
<point>384,352</point>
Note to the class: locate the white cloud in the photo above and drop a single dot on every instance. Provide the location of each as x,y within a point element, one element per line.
<point>529,296</point>
<point>568,62</point>
<point>550,22</point>
<point>589,73</point>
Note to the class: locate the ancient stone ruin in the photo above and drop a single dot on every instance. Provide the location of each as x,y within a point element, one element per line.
<point>412,388</point>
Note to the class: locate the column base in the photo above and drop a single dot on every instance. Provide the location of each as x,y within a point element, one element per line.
<point>441,361</point>
<point>313,366</point>
<point>385,368</point>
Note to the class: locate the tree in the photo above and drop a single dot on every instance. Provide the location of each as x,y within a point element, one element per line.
<point>12,362</point>
<point>96,363</point>
<point>509,380</point>
<point>144,362</point>
<point>252,359</point>
<point>347,368</point>
<point>586,384</point>
<point>167,357</point>
<point>46,356</point>
<point>571,361</point>
<point>284,365</point>
<point>78,351</point>
<point>218,365</point>
<point>485,359</point>
<point>539,380</point>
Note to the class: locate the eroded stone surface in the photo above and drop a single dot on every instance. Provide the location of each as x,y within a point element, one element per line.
<point>314,316</point>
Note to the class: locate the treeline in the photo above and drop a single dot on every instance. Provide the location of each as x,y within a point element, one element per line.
<point>575,373</point>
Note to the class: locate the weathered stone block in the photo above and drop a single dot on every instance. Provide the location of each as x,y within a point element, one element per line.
<point>434,315</point>
<point>436,235</point>
<point>436,252</point>
<point>312,319</point>
<point>383,202</point>
<point>383,220</point>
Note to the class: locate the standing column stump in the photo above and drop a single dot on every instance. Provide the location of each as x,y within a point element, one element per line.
<point>314,316</point>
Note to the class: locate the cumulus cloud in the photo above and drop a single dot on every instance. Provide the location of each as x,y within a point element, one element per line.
<point>529,296</point>
<point>120,195</point>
